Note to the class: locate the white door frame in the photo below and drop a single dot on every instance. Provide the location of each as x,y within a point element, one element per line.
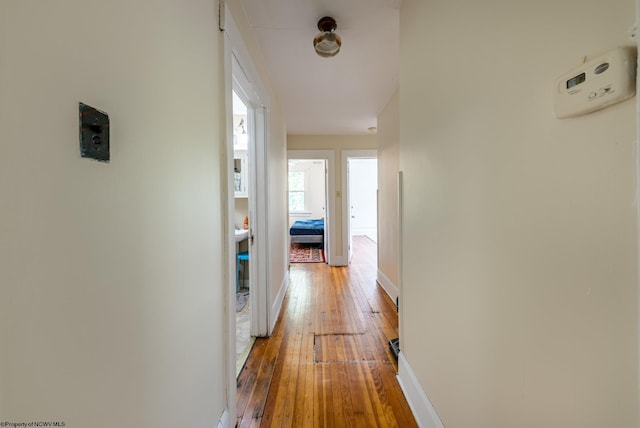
<point>637,39</point>
<point>240,74</point>
<point>256,124</point>
<point>330,190</point>
<point>346,206</point>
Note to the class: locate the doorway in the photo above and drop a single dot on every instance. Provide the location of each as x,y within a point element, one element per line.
<point>246,172</point>
<point>241,77</point>
<point>242,134</point>
<point>360,205</point>
<point>307,200</point>
<point>328,159</point>
<point>363,177</point>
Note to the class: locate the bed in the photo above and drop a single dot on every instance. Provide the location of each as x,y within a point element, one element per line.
<point>307,231</point>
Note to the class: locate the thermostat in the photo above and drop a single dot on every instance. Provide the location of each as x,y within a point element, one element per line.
<point>596,84</point>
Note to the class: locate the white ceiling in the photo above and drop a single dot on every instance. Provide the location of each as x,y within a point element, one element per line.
<point>339,95</point>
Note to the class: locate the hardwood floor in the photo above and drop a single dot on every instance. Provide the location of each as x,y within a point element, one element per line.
<point>328,363</point>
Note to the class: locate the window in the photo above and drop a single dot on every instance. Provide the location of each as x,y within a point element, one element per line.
<point>296,191</point>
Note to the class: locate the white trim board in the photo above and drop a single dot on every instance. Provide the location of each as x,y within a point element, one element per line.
<point>241,55</point>
<point>387,285</point>
<point>637,148</point>
<point>426,416</point>
<point>229,253</point>
<point>276,307</point>
<point>339,261</point>
<point>258,225</point>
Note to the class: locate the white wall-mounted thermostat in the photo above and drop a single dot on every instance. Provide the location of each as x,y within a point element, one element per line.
<point>596,84</point>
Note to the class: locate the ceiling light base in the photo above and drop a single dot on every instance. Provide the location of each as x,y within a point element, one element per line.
<point>327,43</point>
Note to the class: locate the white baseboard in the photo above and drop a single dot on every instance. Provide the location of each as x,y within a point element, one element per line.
<point>223,422</point>
<point>277,303</point>
<point>387,285</point>
<point>426,416</point>
<point>338,261</point>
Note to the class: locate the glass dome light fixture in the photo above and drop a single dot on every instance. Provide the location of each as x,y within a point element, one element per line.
<point>327,43</point>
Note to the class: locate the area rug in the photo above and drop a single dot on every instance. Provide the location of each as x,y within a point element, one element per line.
<point>306,253</point>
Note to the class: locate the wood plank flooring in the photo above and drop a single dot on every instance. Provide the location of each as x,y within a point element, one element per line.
<point>327,363</point>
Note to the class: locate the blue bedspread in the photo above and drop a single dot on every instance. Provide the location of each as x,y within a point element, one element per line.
<point>307,227</point>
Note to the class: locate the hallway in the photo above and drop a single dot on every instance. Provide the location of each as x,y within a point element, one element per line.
<point>327,363</point>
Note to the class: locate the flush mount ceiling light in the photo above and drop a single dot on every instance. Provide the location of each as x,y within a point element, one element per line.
<point>327,43</point>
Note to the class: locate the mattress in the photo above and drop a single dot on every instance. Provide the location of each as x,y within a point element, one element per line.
<point>307,227</point>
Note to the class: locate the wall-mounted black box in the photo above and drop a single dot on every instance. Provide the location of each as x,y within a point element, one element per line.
<point>94,134</point>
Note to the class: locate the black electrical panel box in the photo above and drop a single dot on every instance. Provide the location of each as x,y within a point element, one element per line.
<point>94,134</point>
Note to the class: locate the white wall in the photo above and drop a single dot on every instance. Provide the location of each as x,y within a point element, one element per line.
<point>111,309</point>
<point>519,293</point>
<point>388,166</point>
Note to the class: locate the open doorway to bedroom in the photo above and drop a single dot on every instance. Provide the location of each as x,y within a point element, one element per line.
<point>307,210</point>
